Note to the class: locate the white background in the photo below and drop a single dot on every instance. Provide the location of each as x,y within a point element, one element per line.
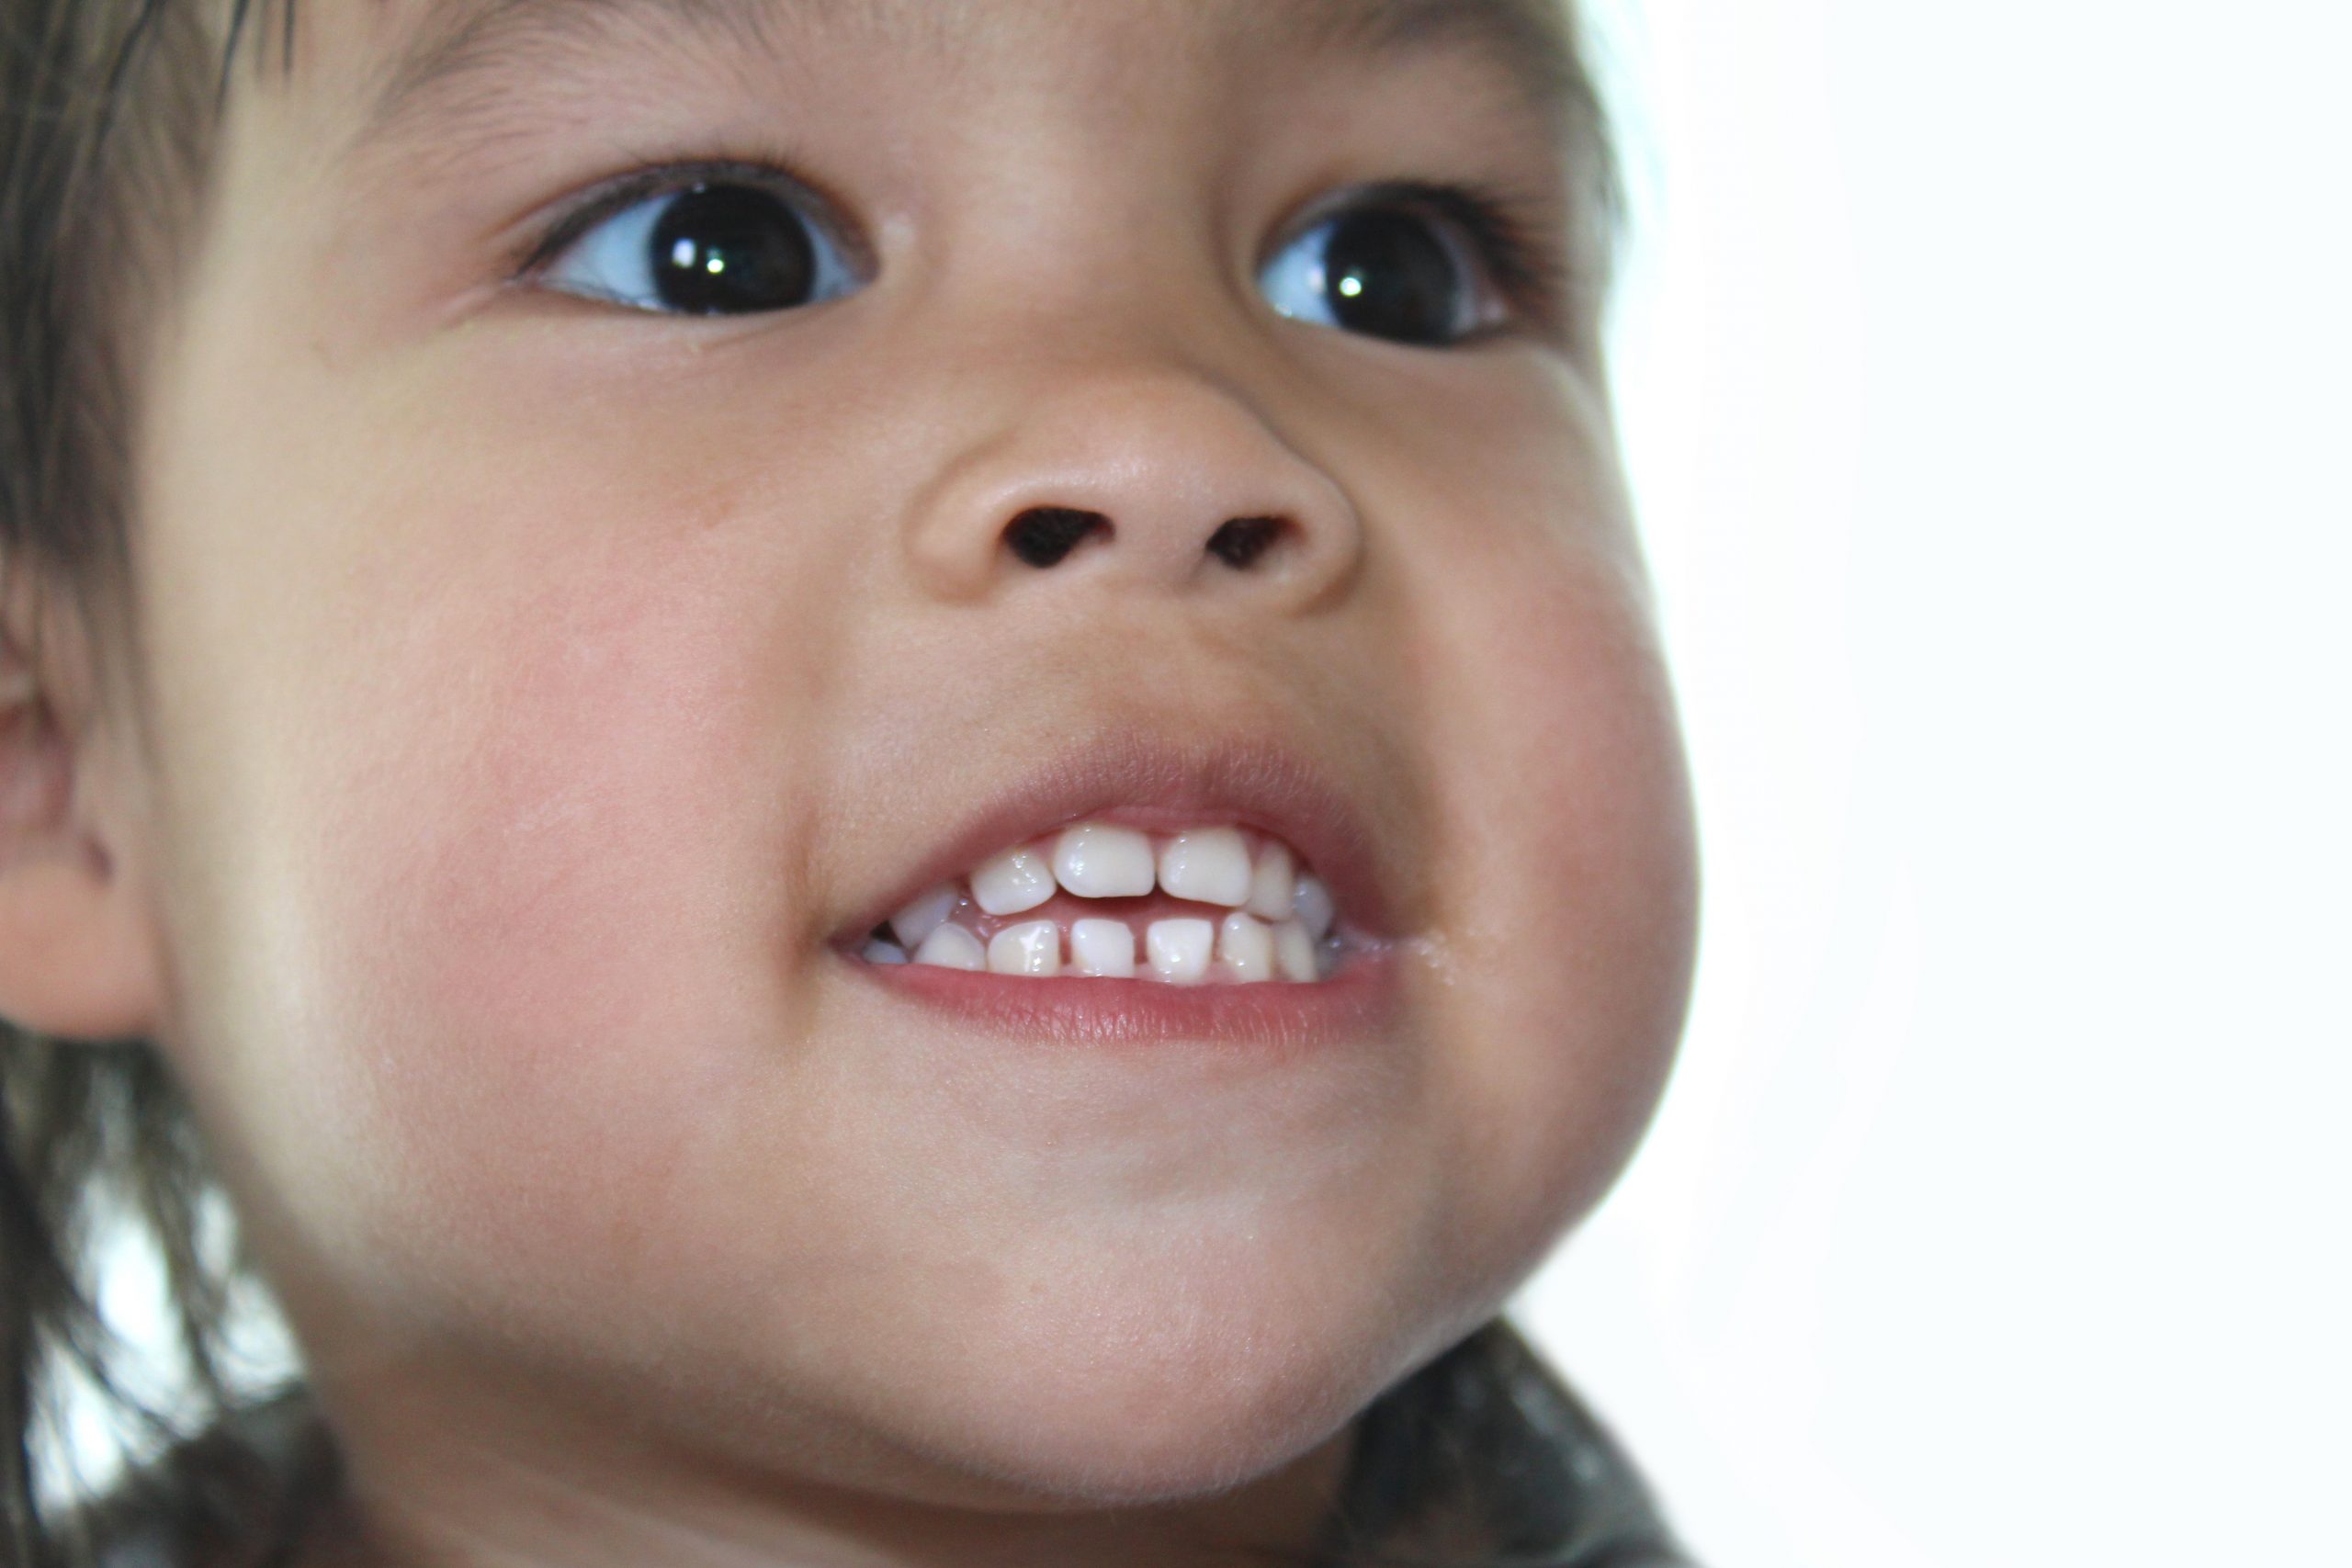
<point>1984,373</point>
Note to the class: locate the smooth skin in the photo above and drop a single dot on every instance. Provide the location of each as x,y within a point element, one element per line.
<point>536,687</point>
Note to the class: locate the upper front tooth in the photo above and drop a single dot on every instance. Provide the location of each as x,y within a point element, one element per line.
<point>1016,880</point>
<point>923,915</point>
<point>1272,886</point>
<point>1032,949</point>
<point>1210,865</point>
<point>1097,861</point>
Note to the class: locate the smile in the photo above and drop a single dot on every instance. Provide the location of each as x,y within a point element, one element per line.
<point>1217,905</point>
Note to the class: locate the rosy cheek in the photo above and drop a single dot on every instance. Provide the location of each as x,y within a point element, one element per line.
<point>534,933</point>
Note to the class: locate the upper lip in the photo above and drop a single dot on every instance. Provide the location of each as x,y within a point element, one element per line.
<point>1148,779</point>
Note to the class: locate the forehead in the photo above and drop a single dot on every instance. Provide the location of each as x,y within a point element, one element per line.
<point>428,59</point>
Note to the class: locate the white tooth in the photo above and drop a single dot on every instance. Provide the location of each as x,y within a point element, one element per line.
<point>1096,861</point>
<point>1245,948</point>
<point>1106,948</point>
<point>1273,886</point>
<point>1295,952</point>
<point>924,916</point>
<point>953,947</point>
<point>1209,865</point>
<point>1315,910</point>
<point>1034,948</point>
<point>879,952</point>
<point>1016,880</point>
<point>1179,950</point>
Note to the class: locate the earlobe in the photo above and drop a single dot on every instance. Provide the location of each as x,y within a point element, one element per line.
<point>77,958</point>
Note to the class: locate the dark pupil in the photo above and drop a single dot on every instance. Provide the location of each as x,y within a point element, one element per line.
<point>1388,276</point>
<point>726,248</point>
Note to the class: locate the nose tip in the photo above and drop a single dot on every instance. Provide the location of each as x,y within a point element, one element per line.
<point>1165,485</point>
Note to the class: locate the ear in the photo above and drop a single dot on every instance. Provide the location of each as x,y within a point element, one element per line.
<point>78,952</point>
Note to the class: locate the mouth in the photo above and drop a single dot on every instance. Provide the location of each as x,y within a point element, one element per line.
<point>1217,883</point>
<point>1213,903</point>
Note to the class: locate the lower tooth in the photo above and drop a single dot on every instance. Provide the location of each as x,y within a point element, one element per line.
<point>951,947</point>
<point>1179,950</point>
<point>1104,948</point>
<point>1183,952</point>
<point>1245,948</point>
<point>1033,948</point>
<point>1295,952</point>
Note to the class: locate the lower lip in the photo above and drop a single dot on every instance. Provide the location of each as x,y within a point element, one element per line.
<point>1358,1001</point>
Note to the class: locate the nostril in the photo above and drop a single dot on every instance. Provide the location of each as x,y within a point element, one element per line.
<point>1243,539</point>
<point>1044,534</point>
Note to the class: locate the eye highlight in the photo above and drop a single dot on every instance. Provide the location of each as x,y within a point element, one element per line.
<point>1429,265</point>
<point>715,241</point>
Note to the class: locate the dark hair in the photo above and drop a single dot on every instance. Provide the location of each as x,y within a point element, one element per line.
<point>108,115</point>
<point>108,110</point>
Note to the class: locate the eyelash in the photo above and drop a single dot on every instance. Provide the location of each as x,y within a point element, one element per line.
<point>1517,250</point>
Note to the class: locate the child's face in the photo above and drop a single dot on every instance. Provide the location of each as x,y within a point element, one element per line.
<point>550,695</point>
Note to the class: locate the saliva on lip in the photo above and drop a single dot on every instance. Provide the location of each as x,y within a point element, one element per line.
<point>1228,905</point>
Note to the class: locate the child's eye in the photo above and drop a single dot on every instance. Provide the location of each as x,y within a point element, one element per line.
<point>1400,267</point>
<point>713,247</point>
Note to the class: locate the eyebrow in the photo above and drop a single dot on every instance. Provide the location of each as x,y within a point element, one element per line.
<point>452,68</point>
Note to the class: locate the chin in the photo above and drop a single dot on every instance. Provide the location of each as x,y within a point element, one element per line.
<point>1081,1446</point>
<point>1168,1395</point>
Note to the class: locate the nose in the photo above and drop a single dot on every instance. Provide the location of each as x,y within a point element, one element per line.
<point>1147,480</point>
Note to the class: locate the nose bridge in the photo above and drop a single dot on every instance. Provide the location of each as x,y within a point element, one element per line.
<point>1114,460</point>
<point>1102,393</point>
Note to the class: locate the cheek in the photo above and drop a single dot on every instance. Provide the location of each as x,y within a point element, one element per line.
<point>493,794</point>
<point>545,905</point>
<point>1565,969</point>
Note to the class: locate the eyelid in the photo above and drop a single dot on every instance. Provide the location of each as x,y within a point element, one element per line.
<point>610,196</point>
